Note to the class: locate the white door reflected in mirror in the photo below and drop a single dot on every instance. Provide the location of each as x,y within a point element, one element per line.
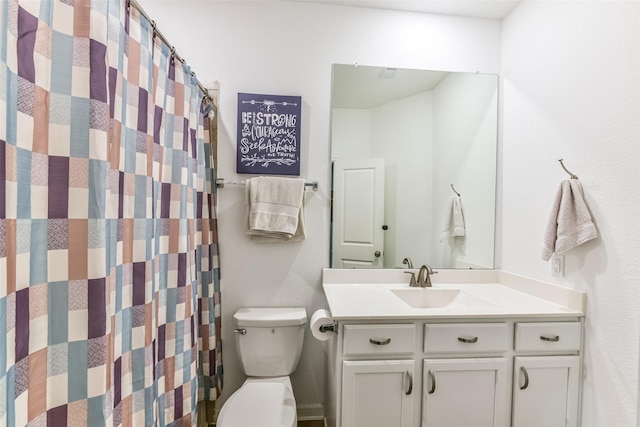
<point>358,200</point>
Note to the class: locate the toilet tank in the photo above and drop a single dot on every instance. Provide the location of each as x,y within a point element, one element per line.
<point>269,340</point>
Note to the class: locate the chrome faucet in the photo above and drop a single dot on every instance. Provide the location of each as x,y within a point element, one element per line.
<point>424,276</point>
<point>408,262</point>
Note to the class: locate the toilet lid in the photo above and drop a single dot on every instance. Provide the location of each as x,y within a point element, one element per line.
<point>263,403</point>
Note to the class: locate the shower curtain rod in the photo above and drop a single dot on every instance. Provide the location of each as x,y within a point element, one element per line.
<point>157,32</point>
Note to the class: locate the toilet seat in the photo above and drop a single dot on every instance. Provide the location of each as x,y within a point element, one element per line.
<point>264,402</point>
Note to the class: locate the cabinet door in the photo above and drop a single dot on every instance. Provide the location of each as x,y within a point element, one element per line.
<point>465,392</point>
<point>545,391</point>
<point>377,393</point>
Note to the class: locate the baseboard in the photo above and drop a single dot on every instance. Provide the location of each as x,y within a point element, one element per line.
<point>311,412</point>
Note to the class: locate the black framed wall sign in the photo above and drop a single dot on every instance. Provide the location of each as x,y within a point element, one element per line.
<point>268,134</point>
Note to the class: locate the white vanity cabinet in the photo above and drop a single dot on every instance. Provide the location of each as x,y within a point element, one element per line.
<point>378,375</point>
<point>508,372</point>
<point>465,392</point>
<point>546,387</point>
<point>378,393</point>
<point>462,386</point>
<point>479,349</point>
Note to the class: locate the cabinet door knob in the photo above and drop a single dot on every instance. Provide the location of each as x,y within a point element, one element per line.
<point>432,377</point>
<point>380,342</point>
<point>526,378</point>
<point>468,340</point>
<point>554,338</point>
<point>377,254</point>
<point>410,390</point>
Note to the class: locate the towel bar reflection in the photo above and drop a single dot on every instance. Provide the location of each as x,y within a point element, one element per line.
<point>221,182</point>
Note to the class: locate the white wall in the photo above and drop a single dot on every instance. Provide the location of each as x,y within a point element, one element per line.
<point>402,134</point>
<point>351,133</point>
<point>288,48</point>
<point>465,132</point>
<point>571,78</point>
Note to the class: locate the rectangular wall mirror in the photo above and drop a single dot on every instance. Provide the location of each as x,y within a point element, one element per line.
<point>403,144</point>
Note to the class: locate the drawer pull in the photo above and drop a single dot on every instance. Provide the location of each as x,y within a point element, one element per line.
<point>432,377</point>
<point>468,340</point>
<point>554,338</point>
<point>380,342</point>
<point>410,390</point>
<point>526,378</point>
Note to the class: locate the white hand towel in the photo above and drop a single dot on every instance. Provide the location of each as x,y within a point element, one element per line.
<point>570,222</point>
<point>454,225</point>
<point>275,211</point>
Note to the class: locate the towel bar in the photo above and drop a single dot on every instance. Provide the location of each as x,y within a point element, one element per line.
<point>220,183</point>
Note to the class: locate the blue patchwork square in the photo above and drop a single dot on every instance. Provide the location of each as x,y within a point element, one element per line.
<point>61,63</point>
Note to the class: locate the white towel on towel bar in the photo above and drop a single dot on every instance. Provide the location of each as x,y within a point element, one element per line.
<point>275,209</point>
<point>454,225</point>
<point>569,223</point>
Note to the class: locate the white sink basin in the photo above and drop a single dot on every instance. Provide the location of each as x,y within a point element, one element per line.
<point>438,298</point>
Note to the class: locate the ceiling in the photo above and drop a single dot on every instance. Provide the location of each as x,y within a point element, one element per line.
<point>369,87</point>
<point>489,9</point>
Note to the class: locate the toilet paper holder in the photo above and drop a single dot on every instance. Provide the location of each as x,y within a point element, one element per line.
<point>329,327</point>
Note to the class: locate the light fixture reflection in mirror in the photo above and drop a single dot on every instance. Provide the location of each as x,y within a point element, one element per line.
<point>400,140</point>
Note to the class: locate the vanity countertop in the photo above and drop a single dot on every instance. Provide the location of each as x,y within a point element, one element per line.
<point>367,294</point>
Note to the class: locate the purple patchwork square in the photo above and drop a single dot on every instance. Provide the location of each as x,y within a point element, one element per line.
<point>27,30</point>
<point>58,187</point>
<point>96,352</point>
<point>22,324</point>
<point>164,226</point>
<point>27,98</point>
<point>141,142</point>
<point>139,283</point>
<point>3,238</point>
<point>57,234</point>
<point>98,76</point>
<point>21,372</point>
<point>57,416</point>
<point>3,179</point>
<point>98,115</point>
<point>137,316</point>
<point>97,308</point>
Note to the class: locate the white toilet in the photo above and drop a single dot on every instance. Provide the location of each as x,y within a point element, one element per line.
<point>269,344</point>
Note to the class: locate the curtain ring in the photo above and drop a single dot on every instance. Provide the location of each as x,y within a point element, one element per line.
<point>154,28</point>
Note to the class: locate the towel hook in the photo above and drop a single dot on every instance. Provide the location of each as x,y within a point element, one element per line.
<point>572,175</point>
<point>454,190</point>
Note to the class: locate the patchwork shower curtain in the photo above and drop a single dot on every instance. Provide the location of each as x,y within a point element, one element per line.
<point>109,279</point>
